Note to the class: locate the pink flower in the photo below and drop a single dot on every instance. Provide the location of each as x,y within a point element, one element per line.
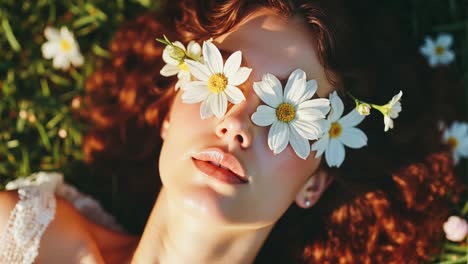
<point>456,229</point>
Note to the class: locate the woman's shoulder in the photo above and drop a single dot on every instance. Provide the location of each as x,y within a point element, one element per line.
<point>66,237</point>
<point>69,236</point>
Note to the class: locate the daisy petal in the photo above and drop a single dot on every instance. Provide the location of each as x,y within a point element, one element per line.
<point>444,40</point>
<point>320,145</point>
<point>388,122</point>
<point>264,116</point>
<point>433,60</point>
<point>194,50</point>
<point>65,33</point>
<point>232,64</point>
<point>52,33</point>
<point>195,92</point>
<point>50,49</point>
<point>60,61</point>
<point>337,107</point>
<point>308,130</point>
<point>320,105</point>
<point>447,57</point>
<point>213,58</point>
<point>274,83</point>
<point>169,70</point>
<point>200,71</point>
<point>268,95</point>
<point>299,144</point>
<point>311,89</point>
<point>205,108</point>
<point>352,119</point>
<point>179,45</point>
<point>335,153</point>
<point>77,59</point>
<point>240,76</point>
<point>295,86</point>
<point>219,104</point>
<point>353,138</point>
<point>234,94</point>
<point>278,137</point>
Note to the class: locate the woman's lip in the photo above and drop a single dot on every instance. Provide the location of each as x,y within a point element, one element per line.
<point>225,161</point>
<point>224,175</point>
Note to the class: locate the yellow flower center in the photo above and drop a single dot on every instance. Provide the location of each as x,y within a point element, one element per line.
<point>65,45</point>
<point>439,50</point>
<point>452,142</point>
<point>183,66</point>
<point>217,83</point>
<point>285,112</point>
<point>335,130</point>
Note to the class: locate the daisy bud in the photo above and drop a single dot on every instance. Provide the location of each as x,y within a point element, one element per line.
<point>176,53</point>
<point>363,109</point>
<point>455,229</point>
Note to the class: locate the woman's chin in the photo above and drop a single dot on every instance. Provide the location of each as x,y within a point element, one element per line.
<point>207,205</point>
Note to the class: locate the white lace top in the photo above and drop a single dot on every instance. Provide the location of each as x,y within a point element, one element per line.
<point>19,242</point>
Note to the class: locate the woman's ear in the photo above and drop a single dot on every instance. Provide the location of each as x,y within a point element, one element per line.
<point>164,127</point>
<point>313,189</point>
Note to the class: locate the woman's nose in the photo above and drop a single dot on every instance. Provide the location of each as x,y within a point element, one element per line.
<point>235,127</point>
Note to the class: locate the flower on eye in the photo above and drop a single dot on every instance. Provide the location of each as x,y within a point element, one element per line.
<point>294,117</point>
<point>174,55</point>
<point>217,81</point>
<point>62,47</point>
<point>456,136</point>
<point>341,131</point>
<point>438,51</point>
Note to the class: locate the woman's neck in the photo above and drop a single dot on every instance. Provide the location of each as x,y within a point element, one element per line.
<point>171,236</point>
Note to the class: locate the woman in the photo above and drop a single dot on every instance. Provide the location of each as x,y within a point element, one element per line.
<point>384,204</point>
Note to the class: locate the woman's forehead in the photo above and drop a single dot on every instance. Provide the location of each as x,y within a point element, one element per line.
<point>273,44</point>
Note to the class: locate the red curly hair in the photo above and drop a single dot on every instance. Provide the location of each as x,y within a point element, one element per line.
<point>383,207</point>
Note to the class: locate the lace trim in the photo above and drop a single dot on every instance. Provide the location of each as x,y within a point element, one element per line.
<point>19,242</point>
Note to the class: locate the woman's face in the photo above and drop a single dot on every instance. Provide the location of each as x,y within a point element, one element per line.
<point>269,44</point>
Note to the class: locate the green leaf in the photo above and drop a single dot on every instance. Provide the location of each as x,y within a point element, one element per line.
<point>42,133</point>
<point>59,80</point>
<point>9,35</point>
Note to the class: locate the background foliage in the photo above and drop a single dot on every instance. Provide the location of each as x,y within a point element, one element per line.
<point>37,101</point>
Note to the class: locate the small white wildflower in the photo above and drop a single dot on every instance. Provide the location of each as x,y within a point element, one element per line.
<point>438,51</point>
<point>456,136</point>
<point>62,48</point>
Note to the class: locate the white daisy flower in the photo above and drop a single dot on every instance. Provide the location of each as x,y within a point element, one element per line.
<point>456,136</point>
<point>438,51</point>
<point>294,117</point>
<point>391,111</point>
<point>217,81</point>
<point>341,132</point>
<point>174,56</point>
<point>62,48</point>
